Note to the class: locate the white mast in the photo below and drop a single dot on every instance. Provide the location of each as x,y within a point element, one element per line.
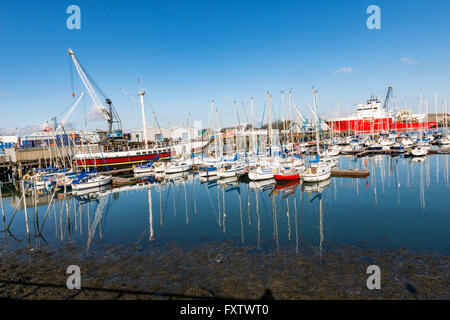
<point>219,134</point>
<point>253,132</point>
<point>317,120</point>
<point>436,105</point>
<point>214,128</point>
<point>445,116</point>
<point>426,115</point>
<point>144,125</point>
<point>420,110</point>
<point>291,120</point>
<point>269,115</point>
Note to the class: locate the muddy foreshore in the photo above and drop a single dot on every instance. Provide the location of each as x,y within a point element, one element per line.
<point>223,270</point>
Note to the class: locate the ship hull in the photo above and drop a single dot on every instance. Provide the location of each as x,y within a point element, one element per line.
<point>375,125</point>
<point>119,162</point>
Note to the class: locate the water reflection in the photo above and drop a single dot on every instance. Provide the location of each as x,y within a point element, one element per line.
<point>385,210</point>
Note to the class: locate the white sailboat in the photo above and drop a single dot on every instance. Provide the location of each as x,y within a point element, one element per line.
<point>319,170</point>
<point>316,174</point>
<point>91,181</point>
<point>260,173</point>
<point>144,169</point>
<point>419,151</point>
<point>179,166</point>
<point>231,170</point>
<point>445,140</point>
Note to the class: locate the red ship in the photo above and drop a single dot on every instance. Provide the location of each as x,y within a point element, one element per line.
<point>372,117</point>
<point>122,159</point>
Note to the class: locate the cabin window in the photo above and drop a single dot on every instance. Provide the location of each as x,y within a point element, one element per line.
<point>138,153</point>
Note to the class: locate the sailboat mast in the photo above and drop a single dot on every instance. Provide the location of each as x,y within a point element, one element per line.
<point>317,120</point>
<point>269,124</point>
<point>213,110</point>
<point>445,116</point>
<point>290,120</point>
<point>436,106</point>
<point>253,125</point>
<point>144,125</point>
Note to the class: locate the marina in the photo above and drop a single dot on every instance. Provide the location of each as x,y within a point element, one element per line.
<point>398,206</point>
<point>244,153</point>
<point>293,187</point>
<point>192,210</point>
<point>314,192</point>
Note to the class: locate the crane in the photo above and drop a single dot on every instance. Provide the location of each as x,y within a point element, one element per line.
<point>388,95</point>
<point>109,113</point>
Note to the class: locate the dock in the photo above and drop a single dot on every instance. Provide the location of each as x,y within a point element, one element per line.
<point>120,182</point>
<point>352,173</point>
<point>365,153</point>
<point>439,151</point>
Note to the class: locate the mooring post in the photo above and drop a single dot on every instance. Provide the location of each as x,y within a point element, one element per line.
<point>25,209</point>
<point>3,210</point>
<point>20,170</point>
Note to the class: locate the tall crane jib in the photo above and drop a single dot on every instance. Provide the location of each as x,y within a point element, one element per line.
<point>388,96</point>
<point>109,113</point>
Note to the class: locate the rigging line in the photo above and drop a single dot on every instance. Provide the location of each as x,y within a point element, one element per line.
<point>92,80</point>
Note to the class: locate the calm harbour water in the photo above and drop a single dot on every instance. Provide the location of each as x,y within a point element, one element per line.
<point>404,203</point>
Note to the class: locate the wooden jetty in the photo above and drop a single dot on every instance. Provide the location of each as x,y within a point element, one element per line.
<point>364,153</point>
<point>120,181</point>
<point>439,151</point>
<point>21,160</point>
<point>352,173</point>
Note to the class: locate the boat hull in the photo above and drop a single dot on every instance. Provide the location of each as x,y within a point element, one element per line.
<point>177,169</point>
<point>280,177</point>
<point>93,184</point>
<point>375,125</point>
<point>119,162</point>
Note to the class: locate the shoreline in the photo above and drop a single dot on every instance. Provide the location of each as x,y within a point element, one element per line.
<point>223,271</point>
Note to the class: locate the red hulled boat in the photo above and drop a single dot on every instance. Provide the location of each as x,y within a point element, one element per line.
<point>372,117</point>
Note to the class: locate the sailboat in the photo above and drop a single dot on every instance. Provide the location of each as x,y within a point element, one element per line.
<point>231,170</point>
<point>147,168</point>
<point>179,166</point>
<point>91,181</point>
<point>287,173</point>
<point>260,173</point>
<point>445,140</point>
<point>422,147</point>
<point>334,150</point>
<point>316,174</point>
<point>318,170</point>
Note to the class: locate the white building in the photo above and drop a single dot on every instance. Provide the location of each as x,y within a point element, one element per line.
<point>184,133</point>
<point>43,138</point>
<point>153,134</point>
<point>159,134</point>
<point>9,139</point>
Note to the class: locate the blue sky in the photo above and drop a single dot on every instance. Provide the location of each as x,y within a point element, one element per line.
<point>189,52</point>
